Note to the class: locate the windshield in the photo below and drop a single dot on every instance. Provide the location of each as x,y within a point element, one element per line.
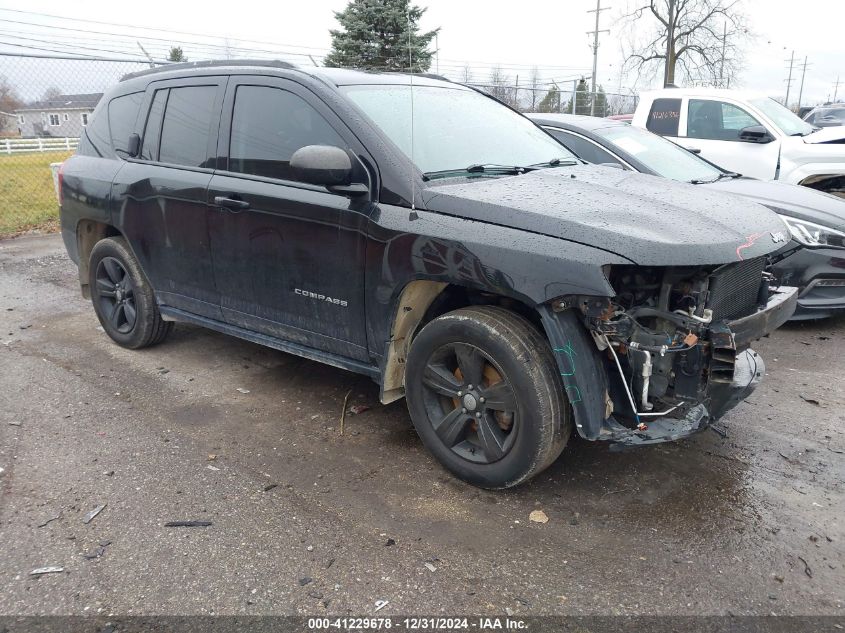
<point>785,119</point>
<point>661,156</point>
<point>455,127</point>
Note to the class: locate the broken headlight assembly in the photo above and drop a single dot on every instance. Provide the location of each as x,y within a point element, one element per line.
<point>665,333</point>
<point>814,235</point>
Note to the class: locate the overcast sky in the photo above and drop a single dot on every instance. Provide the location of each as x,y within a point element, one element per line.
<point>549,33</point>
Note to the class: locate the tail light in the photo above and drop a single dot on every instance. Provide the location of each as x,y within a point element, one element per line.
<point>61,183</point>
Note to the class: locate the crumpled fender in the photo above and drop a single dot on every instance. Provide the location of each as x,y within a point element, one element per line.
<point>581,369</point>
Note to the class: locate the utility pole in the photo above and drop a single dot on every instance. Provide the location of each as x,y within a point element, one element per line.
<point>595,35</point>
<point>670,46</point>
<point>789,81</point>
<point>836,88</point>
<point>801,91</point>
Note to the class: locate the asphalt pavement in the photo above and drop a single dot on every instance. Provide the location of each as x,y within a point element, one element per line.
<point>304,520</point>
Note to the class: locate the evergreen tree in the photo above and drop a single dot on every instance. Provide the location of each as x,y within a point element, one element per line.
<point>176,54</point>
<point>551,102</point>
<point>601,102</point>
<point>374,35</point>
<point>582,98</point>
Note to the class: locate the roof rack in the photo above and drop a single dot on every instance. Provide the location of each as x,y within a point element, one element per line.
<point>270,63</point>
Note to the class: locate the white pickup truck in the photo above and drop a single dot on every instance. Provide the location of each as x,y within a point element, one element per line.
<point>747,133</point>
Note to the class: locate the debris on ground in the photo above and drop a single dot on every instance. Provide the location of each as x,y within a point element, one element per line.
<point>809,400</point>
<point>51,519</point>
<point>15,422</point>
<point>98,551</point>
<point>269,487</point>
<point>90,516</point>
<point>390,542</point>
<point>343,410</point>
<point>212,457</point>
<point>538,516</point>
<point>242,390</point>
<point>310,548</point>
<point>430,567</point>
<point>187,524</point>
<point>46,570</point>
<point>807,569</point>
<point>381,604</point>
<point>357,409</point>
<point>723,433</point>
<point>210,467</point>
<point>305,580</point>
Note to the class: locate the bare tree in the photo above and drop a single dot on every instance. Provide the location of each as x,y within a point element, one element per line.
<point>499,87</point>
<point>9,102</point>
<point>466,74</point>
<point>693,40</point>
<point>51,94</point>
<point>534,87</point>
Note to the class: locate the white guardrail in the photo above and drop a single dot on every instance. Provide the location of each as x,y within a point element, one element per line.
<point>45,144</point>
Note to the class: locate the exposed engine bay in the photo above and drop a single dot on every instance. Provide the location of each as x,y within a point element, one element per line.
<point>666,335</point>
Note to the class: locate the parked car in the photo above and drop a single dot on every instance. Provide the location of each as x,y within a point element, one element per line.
<point>467,262</point>
<point>748,133</point>
<point>816,220</point>
<point>827,116</point>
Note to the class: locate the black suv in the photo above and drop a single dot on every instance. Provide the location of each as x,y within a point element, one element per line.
<point>421,233</point>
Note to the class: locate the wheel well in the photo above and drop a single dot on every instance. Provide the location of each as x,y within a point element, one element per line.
<point>423,301</point>
<point>88,233</point>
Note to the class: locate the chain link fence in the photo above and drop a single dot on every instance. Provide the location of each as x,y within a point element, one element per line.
<point>46,101</point>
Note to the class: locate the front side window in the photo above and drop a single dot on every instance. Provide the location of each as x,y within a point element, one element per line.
<point>660,155</point>
<point>54,120</point>
<point>268,126</point>
<point>664,117</point>
<point>454,127</point>
<point>186,126</point>
<point>717,120</point>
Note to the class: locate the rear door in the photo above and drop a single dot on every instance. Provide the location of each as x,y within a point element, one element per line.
<point>290,262</point>
<point>713,126</point>
<point>162,194</point>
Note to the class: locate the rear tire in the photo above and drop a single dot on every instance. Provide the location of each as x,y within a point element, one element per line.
<point>123,298</point>
<point>485,396</point>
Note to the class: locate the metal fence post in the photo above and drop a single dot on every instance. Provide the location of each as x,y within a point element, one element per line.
<point>8,147</point>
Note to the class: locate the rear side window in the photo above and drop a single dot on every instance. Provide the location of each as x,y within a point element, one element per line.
<point>186,125</point>
<point>122,114</point>
<point>268,126</point>
<point>584,149</point>
<point>664,116</point>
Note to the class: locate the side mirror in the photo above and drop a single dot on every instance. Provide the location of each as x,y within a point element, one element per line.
<point>693,150</point>
<point>322,165</point>
<point>133,146</point>
<point>755,134</point>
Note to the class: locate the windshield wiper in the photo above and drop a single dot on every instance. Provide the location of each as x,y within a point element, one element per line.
<point>727,174</point>
<point>556,162</point>
<point>487,168</point>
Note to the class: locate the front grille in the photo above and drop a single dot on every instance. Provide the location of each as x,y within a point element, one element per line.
<point>735,288</point>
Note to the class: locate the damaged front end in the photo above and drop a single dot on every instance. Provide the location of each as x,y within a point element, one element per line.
<point>673,345</point>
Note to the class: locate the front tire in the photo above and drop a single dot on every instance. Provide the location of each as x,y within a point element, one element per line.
<point>123,298</point>
<point>485,396</point>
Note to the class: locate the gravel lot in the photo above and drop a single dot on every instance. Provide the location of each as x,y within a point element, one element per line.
<point>308,521</point>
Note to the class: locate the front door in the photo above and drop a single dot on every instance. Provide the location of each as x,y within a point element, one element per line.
<point>161,196</point>
<point>288,256</point>
<point>713,126</point>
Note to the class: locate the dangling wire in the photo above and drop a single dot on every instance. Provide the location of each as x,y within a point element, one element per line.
<point>411,68</point>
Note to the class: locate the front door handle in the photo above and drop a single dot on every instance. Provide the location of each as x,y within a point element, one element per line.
<point>232,204</point>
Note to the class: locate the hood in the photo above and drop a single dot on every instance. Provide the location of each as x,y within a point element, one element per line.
<point>648,220</point>
<point>834,134</point>
<point>799,202</point>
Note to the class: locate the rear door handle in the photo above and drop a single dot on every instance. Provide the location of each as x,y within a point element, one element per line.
<point>231,203</point>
